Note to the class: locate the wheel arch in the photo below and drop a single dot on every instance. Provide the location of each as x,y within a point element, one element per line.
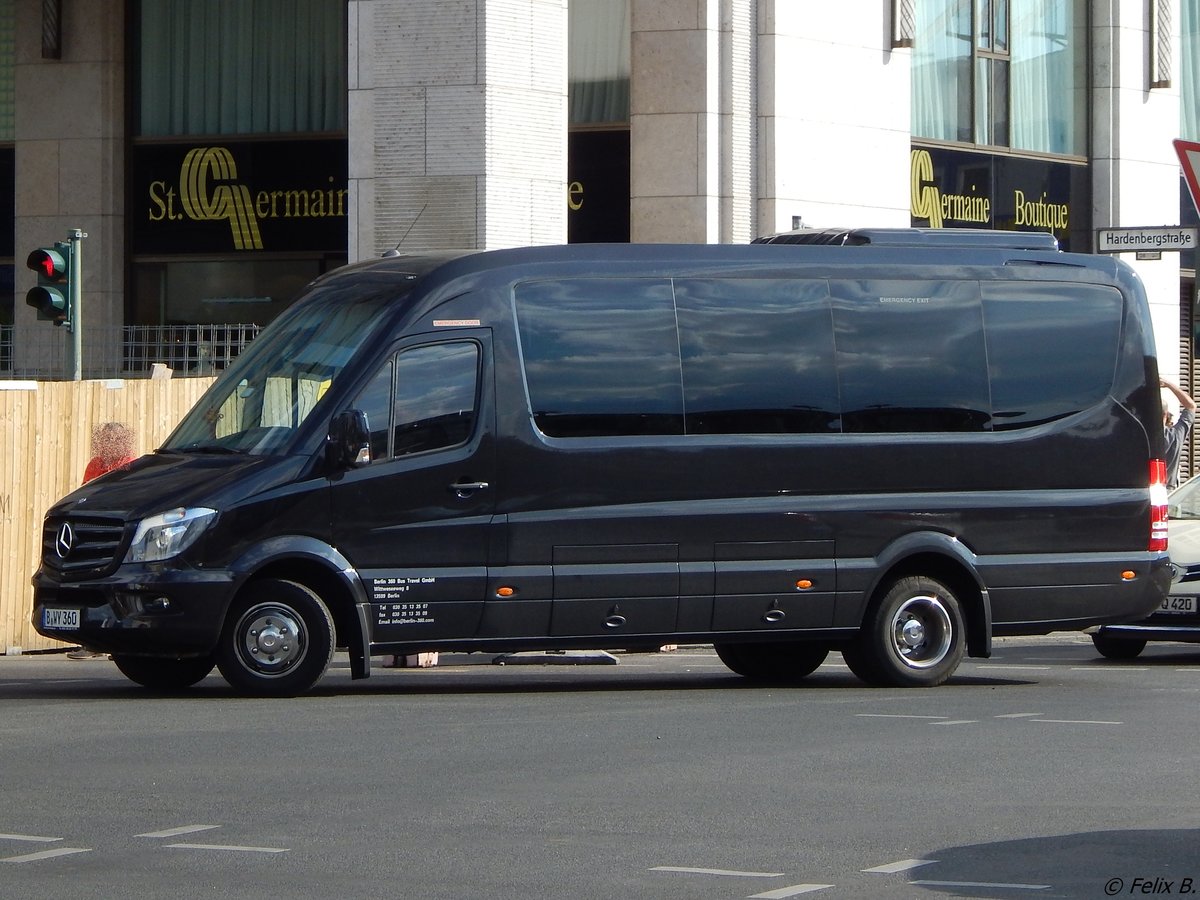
<point>323,570</point>
<point>945,559</point>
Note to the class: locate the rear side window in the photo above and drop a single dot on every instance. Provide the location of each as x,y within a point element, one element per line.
<point>1052,348</point>
<point>601,356</point>
<point>757,356</point>
<point>628,357</point>
<point>910,356</point>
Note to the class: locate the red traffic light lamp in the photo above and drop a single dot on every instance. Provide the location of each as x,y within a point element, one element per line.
<point>52,296</point>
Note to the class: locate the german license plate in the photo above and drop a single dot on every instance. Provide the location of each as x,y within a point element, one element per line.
<point>59,618</point>
<point>1181,605</point>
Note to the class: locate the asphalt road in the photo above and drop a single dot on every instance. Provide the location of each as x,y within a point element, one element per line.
<point>1042,772</point>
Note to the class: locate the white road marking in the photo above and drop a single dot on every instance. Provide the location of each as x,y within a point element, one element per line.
<point>228,847</point>
<point>903,865</point>
<point>175,832</point>
<point>957,722</point>
<point>1099,668</point>
<point>794,891</point>
<point>696,871</point>
<point>1013,666</point>
<point>28,837</point>
<point>983,884</point>
<point>1077,721</point>
<point>1019,715</point>
<point>46,854</point>
<point>895,716</point>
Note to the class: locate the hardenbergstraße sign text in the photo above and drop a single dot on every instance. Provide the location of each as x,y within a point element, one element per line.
<point>1128,240</point>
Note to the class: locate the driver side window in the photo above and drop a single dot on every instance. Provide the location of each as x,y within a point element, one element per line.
<point>422,399</point>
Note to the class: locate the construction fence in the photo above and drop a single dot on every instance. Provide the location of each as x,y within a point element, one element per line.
<point>46,432</point>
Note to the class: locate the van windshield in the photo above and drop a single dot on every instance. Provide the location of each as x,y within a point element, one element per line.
<point>258,403</point>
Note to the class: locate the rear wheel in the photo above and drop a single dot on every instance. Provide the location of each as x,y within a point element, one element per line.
<point>774,661</point>
<point>914,637</point>
<point>277,641</point>
<point>1118,648</point>
<point>164,674</point>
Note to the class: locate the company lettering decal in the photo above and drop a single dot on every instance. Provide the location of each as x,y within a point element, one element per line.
<point>241,196</point>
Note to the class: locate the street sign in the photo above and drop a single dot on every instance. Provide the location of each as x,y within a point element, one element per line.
<point>1189,160</point>
<point>1127,240</point>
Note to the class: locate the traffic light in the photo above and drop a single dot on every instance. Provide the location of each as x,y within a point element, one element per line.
<point>52,296</point>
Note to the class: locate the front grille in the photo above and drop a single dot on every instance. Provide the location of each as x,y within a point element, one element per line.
<point>75,546</point>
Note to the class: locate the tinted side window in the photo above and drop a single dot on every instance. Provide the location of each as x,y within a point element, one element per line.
<point>436,390</point>
<point>911,356</point>
<point>757,356</point>
<point>376,401</point>
<point>1052,348</point>
<point>601,356</point>
<point>422,399</point>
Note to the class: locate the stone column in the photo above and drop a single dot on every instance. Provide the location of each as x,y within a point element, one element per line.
<point>674,121</point>
<point>70,162</point>
<point>458,124</point>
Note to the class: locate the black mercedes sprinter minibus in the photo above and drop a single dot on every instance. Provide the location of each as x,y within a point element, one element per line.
<point>894,447</point>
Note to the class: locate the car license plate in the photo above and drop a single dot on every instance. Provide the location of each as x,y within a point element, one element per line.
<point>59,618</point>
<point>1180,605</point>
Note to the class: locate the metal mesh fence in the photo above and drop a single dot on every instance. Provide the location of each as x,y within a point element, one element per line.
<point>42,352</point>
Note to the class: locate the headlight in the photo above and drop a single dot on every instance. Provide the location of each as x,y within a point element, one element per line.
<point>168,534</point>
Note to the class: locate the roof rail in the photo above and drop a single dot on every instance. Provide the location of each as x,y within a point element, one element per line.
<point>917,237</point>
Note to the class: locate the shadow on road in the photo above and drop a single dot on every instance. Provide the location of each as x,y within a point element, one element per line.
<point>1088,865</point>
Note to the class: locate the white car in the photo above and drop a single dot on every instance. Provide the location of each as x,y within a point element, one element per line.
<point>1178,619</point>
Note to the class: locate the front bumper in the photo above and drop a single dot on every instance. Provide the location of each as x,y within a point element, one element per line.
<point>136,611</point>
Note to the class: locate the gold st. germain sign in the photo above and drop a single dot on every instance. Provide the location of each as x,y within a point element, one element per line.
<point>945,209</point>
<point>208,190</point>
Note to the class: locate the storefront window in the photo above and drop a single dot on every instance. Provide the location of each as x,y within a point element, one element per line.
<point>7,177</point>
<point>251,292</point>
<point>7,56</point>
<point>244,67</point>
<point>598,62</point>
<point>1049,78</point>
<point>1001,74</point>
<point>941,71</point>
<point>1189,74</point>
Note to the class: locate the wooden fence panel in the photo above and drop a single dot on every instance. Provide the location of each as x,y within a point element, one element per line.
<point>45,444</point>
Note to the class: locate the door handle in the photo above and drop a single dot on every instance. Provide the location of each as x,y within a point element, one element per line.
<point>464,489</point>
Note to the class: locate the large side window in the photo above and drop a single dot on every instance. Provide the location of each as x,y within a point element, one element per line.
<point>1037,376</point>
<point>422,399</point>
<point>601,356</point>
<point>757,356</point>
<point>910,356</point>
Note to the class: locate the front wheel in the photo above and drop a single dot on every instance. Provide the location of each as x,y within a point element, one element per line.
<point>164,674</point>
<point>774,662</point>
<point>914,637</point>
<point>278,639</point>
<point>1118,648</point>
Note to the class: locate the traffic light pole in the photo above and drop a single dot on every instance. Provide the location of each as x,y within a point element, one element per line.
<point>76,323</point>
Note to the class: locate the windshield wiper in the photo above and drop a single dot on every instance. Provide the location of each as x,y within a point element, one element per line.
<point>206,448</point>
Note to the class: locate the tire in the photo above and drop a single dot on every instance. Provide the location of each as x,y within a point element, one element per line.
<point>1118,648</point>
<point>914,637</point>
<point>164,673</point>
<point>278,639</point>
<point>776,662</point>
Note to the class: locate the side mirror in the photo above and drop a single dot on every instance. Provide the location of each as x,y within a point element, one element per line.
<point>349,441</point>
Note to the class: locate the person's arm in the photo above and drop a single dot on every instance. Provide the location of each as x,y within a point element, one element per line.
<point>1185,399</point>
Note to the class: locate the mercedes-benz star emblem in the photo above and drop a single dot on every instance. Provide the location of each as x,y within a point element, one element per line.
<point>65,540</point>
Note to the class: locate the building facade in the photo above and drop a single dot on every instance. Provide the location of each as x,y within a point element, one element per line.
<point>218,155</point>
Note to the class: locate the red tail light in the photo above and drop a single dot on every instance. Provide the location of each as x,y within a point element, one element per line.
<point>1158,505</point>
